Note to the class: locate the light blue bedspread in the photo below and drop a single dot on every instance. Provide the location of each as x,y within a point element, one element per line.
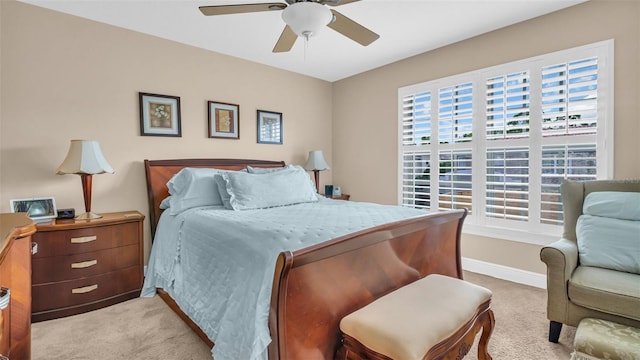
<point>218,264</point>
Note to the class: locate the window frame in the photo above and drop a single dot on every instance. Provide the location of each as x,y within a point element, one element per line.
<point>531,231</point>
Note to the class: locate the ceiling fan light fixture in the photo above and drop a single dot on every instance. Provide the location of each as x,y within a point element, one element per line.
<point>307,18</point>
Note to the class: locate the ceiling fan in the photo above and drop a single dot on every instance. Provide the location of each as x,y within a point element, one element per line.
<point>303,18</point>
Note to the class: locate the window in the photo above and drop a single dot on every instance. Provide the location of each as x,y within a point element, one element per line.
<point>499,141</point>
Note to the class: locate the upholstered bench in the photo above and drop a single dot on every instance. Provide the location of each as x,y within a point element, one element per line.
<point>431,318</point>
<point>601,339</point>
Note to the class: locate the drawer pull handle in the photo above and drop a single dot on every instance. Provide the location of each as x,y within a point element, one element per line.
<point>5,296</point>
<point>83,239</point>
<point>84,290</point>
<point>83,264</point>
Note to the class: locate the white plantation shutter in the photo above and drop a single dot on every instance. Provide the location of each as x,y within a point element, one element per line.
<point>455,179</point>
<point>569,98</point>
<point>508,102</point>
<point>455,113</point>
<point>416,119</point>
<point>560,162</point>
<point>569,111</point>
<point>416,185</point>
<point>500,141</point>
<point>507,184</point>
<point>416,134</point>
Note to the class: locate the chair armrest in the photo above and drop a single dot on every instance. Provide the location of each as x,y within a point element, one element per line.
<point>561,258</point>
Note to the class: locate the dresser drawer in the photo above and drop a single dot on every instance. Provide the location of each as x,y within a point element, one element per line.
<point>81,291</point>
<point>76,241</point>
<point>70,267</point>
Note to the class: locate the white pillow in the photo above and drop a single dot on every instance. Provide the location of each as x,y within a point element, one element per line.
<point>221,186</point>
<point>258,191</point>
<point>192,187</point>
<point>165,203</point>
<point>613,204</point>
<point>609,243</point>
<point>254,170</point>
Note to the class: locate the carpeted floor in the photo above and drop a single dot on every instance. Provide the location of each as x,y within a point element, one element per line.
<point>148,329</point>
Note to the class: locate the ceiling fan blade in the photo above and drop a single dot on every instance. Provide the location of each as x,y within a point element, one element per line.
<point>337,2</point>
<point>240,8</point>
<point>286,40</point>
<point>352,29</point>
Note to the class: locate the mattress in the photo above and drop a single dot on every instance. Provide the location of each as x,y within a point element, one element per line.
<point>218,264</point>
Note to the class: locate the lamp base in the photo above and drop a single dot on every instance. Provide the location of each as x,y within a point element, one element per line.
<point>88,216</point>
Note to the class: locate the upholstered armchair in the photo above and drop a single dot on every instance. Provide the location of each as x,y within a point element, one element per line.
<point>576,290</point>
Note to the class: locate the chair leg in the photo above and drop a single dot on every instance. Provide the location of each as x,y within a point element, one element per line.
<point>487,328</point>
<point>554,331</point>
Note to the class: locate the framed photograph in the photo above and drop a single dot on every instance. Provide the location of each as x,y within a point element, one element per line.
<point>39,209</point>
<point>269,127</point>
<point>224,120</point>
<point>159,115</point>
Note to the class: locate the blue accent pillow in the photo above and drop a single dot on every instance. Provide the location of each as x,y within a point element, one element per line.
<point>613,204</point>
<point>609,243</point>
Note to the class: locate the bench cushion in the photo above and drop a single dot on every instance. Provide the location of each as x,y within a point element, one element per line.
<point>601,339</point>
<point>407,322</point>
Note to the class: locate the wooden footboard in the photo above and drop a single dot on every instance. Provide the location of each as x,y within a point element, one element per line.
<point>315,287</point>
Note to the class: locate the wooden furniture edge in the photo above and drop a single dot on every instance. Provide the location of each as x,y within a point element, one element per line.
<point>79,309</point>
<point>14,226</point>
<point>174,306</point>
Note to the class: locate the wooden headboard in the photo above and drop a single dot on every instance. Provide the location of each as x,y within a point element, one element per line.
<point>160,171</point>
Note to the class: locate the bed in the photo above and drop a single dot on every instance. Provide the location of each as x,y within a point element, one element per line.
<point>312,285</point>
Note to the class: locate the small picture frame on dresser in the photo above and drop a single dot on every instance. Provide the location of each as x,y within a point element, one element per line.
<point>40,209</point>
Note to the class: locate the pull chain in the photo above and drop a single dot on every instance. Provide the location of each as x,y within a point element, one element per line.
<point>306,36</point>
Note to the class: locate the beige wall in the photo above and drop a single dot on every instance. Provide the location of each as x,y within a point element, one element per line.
<point>365,109</point>
<point>68,78</point>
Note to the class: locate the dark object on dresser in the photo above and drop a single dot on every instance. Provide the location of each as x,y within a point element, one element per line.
<point>66,213</point>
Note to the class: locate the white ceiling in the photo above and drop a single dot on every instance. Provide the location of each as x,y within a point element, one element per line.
<point>406,28</point>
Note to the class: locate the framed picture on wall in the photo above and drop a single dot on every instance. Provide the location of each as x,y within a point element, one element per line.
<point>224,120</point>
<point>159,115</point>
<point>269,127</point>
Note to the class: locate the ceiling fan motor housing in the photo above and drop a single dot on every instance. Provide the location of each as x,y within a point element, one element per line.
<point>307,18</point>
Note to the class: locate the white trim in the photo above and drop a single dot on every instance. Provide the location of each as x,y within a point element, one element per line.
<point>505,272</point>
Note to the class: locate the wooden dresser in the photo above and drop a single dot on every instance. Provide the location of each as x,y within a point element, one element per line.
<point>83,265</point>
<point>15,280</point>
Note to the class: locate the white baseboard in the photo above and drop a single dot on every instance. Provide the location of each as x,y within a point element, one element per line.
<point>505,272</point>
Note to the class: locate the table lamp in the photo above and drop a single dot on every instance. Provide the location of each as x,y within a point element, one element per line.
<point>85,159</point>
<point>316,164</point>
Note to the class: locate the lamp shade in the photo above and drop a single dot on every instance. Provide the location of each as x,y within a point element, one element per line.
<point>316,161</point>
<point>84,157</point>
<point>306,18</point>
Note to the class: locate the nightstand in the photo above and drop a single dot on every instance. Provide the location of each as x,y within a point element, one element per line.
<point>341,197</point>
<point>83,265</point>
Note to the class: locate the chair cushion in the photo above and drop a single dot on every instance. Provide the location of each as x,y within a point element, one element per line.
<point>605,290</point>
<point>601,339</point>
<point>407,322</point>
